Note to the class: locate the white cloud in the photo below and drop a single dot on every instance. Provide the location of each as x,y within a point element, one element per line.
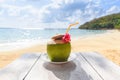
<point>21,11</point>
<point>76,16</point>
<point>1,12</point>
<point>72,10</point>
<point>1,1</point>
<point>68,1</point>
<point>57,11</point>
<point>13,0</point>
<point>26,15</point>
<point>80,10</point>
<point>113,9</point>
<point>11,9</point>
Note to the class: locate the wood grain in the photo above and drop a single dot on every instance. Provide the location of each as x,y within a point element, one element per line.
<point>19,68</point>
<point>78,69</point>
<point>105,68</point>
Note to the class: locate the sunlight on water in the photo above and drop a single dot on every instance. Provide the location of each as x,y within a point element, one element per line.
<point>19,35</point>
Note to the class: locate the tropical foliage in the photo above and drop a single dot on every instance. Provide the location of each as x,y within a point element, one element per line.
<point>106,22</point>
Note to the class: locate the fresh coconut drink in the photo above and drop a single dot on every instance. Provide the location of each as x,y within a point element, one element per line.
<point>58,52</point>
<point>59,48</point>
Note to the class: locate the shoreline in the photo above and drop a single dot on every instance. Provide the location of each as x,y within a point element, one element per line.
<point>106,44</point>
<point>20,45</point>
<point>10,46</point>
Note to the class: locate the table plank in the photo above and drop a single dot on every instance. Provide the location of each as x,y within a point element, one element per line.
<point>19,68</point>
<point>107,69</point>
<point>79,69</point>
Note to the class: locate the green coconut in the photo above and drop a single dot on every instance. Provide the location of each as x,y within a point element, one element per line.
<point>58,52</point>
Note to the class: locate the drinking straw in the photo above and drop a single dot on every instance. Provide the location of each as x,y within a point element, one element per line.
<point>71,26</point>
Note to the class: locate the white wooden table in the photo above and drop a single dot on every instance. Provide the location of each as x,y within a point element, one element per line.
<point>87,66</point>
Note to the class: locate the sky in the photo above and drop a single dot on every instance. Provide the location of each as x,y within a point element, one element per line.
<point>53,13</point>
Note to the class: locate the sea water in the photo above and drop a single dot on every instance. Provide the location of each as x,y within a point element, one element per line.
<point>12,38</point>
<point>8,35</point>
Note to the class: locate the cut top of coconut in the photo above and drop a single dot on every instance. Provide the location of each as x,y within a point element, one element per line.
<point>57,37</point>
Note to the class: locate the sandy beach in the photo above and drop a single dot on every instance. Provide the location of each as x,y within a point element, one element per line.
<point>107,44</point>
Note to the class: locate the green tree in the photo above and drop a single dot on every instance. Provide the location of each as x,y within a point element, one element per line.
<point>106,22</point>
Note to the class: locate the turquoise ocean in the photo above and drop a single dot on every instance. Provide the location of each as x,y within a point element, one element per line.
<point>14,38</point>
<point>8,35</point>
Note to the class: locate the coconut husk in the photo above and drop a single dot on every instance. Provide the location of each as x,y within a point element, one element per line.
<point>59,42</point>
<point>57,37</point>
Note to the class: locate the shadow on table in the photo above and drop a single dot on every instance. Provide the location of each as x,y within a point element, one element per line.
<point>68,71</point>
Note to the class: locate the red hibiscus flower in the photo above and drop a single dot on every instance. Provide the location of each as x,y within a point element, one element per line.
<point>66,38</point>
